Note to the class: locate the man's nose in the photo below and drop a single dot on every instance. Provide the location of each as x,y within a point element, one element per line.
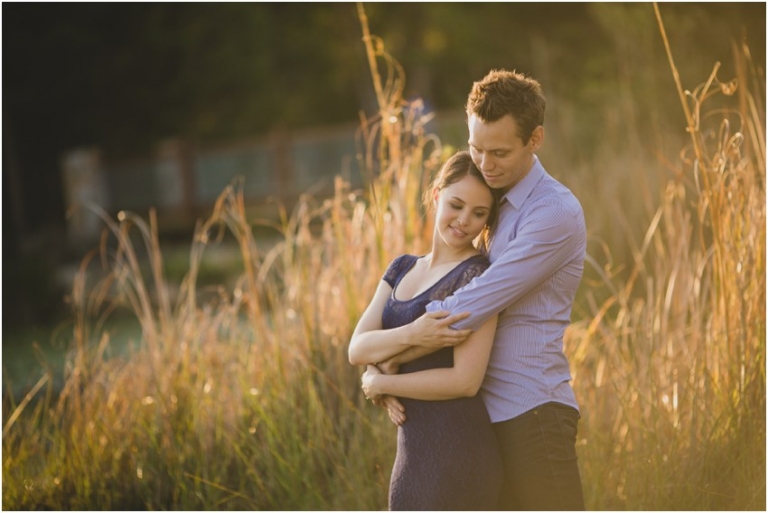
<point>486,163</point>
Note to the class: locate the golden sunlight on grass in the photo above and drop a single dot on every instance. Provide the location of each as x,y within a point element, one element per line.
<point>242,397</point>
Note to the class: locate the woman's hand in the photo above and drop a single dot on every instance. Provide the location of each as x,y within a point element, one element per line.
<point>368,384</point>
<point>392,404</point>
<point>433,329</point>
<point>395,409</point>
<point>389,366</point>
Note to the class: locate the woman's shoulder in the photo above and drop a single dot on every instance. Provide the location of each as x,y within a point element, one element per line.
<point>403,261</point>
<point>471,267</point>
<point>398,267</point>
<point>477,263</point>
<point>459,276</point>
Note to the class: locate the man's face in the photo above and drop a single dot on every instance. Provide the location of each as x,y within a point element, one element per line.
<point>499,152</point>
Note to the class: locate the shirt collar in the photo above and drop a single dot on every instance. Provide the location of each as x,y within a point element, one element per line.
<point>516,195</point>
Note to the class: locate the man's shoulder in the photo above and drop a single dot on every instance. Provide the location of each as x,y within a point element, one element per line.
<point>552,194</point>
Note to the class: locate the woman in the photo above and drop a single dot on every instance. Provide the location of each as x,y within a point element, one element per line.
<point>447,458</point>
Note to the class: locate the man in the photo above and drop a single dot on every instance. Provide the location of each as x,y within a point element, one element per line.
<point>537,256</point>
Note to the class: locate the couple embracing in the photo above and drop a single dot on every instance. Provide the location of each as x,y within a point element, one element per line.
<point>464,345</point>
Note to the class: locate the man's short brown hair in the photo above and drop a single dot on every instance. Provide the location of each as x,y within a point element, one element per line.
<point>503,92</point>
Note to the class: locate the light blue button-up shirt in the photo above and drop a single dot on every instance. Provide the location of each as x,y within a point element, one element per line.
<point>537,259</point>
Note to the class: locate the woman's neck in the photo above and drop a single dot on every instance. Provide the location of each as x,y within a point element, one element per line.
<point>442,254</point>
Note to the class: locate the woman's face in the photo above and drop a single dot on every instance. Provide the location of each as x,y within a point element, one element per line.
<point>462,211</point>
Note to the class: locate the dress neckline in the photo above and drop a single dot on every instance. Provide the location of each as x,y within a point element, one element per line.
<point>428,289</point>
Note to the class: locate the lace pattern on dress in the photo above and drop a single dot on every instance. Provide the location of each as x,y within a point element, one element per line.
<point>445,286</point>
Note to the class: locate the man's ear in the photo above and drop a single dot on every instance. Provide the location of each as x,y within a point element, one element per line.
<point>537,138</point>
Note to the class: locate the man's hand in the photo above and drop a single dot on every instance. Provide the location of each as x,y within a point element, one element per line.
<point>433,329</point>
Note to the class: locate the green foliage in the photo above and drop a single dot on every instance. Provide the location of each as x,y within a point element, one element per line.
<point>129,75</point>
<point>30,291</point>
<point>240,399</point>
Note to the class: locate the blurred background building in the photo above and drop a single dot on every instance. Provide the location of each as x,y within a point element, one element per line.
<point>131,106</point>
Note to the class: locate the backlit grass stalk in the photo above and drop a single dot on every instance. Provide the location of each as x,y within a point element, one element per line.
<point>241,397</point>
<point>237,398</point>
<point>671,369</point>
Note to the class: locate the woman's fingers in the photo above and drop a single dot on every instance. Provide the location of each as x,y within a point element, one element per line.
<point>395,410</point>
<point>394,404</point>
<point>445,317</point>
<point>397,417</point>
<point>433,329</point>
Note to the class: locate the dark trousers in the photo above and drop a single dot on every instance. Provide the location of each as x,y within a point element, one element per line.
<point>539,453</point>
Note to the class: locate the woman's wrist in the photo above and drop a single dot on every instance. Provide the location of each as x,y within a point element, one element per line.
<point>376,384</point>
<point>390,365</point>
<point>407,335</point>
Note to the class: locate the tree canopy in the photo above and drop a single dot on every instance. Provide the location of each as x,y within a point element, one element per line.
<point>123,76</point>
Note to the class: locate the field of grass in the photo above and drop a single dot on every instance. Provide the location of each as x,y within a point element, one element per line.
<point>240,395</point>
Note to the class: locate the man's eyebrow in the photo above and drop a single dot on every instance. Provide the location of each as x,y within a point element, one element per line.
<point>501,148</point>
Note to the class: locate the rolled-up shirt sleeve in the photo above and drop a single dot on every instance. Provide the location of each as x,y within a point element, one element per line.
<point>545,240</point>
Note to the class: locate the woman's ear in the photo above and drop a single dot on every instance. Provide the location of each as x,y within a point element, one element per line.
<point>435,195</point>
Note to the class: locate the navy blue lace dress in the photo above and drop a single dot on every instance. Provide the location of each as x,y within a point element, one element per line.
<point>447,457</point>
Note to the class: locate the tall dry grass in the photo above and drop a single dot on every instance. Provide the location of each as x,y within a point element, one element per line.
<point>242,397</point>
<point>670,369</point>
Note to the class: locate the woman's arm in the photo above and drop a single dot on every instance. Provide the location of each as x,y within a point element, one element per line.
<point>470,360</point>
<point>370,343</point>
